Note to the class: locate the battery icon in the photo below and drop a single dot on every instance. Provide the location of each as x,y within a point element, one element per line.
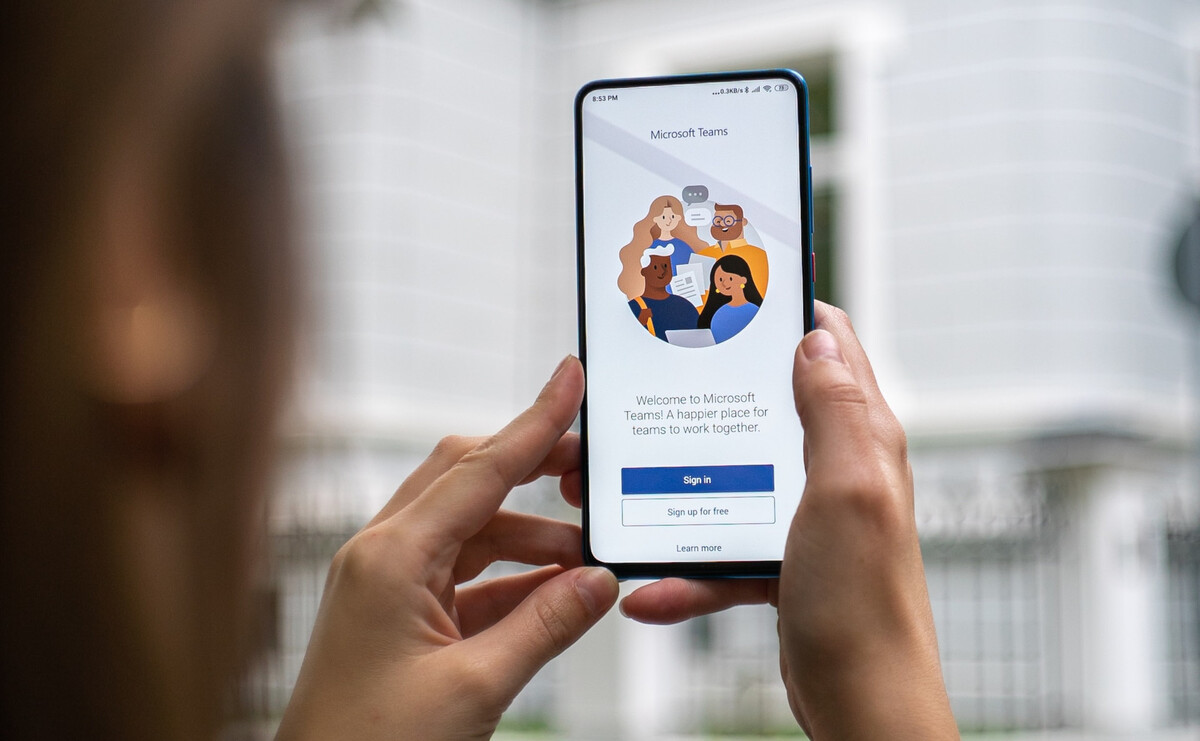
<point>781,86</point>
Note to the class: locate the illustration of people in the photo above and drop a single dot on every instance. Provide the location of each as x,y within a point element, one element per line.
<point>662,226</point>
<point>728,231</point>
<point>657,310</point>
<point>733,298</point>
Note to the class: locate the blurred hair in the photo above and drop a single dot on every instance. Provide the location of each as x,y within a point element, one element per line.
<point>191,80</point>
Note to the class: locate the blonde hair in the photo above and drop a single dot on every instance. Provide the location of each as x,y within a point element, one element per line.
<point>645,231</point>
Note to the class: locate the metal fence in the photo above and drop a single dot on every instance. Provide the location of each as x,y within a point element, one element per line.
<point>995,606</point>
<point>998,600</point>
<point>1183,617</point>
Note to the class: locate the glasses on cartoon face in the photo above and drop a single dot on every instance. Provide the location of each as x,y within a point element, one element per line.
<point>725,220</point>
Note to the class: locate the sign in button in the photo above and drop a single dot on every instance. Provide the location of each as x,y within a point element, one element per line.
<point>697,479</point>
<point>644,511</point>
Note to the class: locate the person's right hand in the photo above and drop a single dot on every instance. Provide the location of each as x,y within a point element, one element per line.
<point>402,647</point>
<point>644,316</point>
<point>858,651</point>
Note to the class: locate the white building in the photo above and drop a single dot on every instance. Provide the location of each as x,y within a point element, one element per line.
<point>999,188</point>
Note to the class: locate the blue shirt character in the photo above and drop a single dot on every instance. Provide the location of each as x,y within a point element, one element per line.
<point>729,320</point>
<point>671,312</point>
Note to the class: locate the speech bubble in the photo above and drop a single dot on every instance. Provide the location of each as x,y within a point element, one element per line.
<point>695,194</point>
<point>698,216</point>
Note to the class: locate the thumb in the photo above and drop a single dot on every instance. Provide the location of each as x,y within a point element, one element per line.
<point>549,620</point>
<point>831,402</point>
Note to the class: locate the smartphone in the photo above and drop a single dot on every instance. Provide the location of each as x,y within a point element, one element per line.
<point>695,268</point>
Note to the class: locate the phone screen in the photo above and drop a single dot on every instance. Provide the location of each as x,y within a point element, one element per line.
<point>695,283</point>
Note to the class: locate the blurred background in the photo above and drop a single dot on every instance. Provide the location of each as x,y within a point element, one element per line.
<point>1000,187</point>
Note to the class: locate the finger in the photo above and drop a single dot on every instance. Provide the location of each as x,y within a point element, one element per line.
<point>480,606</point>
<point>462,500</point>
<point>553,617</point>
<point>522,538</point>
<point>448,451</point>
<point>840,404</point>
<point>570,485</point>
<point>564,457</point>
<point>832,405</point>
<point>837,322</point>
<point>675,600</point>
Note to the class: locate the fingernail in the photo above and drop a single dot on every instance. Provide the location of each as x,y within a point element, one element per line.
<point>596,587</point>
<point>559,368</point>
<point>820,345</point>
<point>554,376</point>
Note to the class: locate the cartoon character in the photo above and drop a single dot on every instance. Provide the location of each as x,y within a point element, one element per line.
<point>728,231</point>
<point>657,310</point>
<point>661,227</point>
<point>733,299</point>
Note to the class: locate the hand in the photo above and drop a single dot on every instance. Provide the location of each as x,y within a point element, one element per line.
<point>644,316</point>
<point>398,651</point>
<point>858,652</point>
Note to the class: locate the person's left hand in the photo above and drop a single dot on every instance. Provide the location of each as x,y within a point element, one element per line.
<point>398,651</point>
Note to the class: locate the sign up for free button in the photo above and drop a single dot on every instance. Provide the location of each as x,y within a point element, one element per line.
<point>643,511</point>
<point>698,479</point>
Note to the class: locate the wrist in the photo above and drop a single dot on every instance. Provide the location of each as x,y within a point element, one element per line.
<point>882,692</point>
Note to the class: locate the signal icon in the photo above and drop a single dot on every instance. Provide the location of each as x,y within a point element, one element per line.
<point>755,90</point>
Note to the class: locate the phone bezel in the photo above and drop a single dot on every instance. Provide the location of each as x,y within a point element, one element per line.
<point>687,569</point>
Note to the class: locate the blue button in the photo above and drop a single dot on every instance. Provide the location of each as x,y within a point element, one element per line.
<point>697,479</point>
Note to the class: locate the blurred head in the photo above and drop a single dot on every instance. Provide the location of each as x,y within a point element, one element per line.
<point>146,286</point>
